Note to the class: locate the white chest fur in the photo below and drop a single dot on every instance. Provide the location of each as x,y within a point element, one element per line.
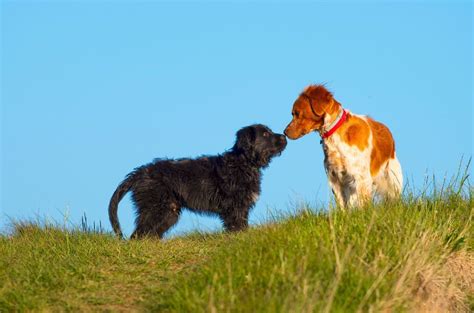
<point>347,168</point>
<point>255,196</point>
<point>341,157</point>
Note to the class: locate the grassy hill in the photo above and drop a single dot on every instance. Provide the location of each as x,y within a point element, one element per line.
<point>413,255</point>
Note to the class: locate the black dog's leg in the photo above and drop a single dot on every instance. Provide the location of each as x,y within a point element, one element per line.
<point>235,220</point>
<point>167,221</point>
<point>156,222</point>
<point>143,223</point>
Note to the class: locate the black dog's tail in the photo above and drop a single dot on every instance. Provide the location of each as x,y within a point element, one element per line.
<point>119,193</point>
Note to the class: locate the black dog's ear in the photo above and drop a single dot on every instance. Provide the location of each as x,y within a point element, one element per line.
<point>245,139</point>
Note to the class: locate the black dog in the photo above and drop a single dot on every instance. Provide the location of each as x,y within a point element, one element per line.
<point>227,185</point>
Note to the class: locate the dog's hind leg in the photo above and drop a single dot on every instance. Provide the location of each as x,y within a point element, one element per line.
<point>395,178</point>
<point>145,223</point>
<point>235,220</point>
<point>156,221</point>
<point>166,221</point>
<point>389,182</point>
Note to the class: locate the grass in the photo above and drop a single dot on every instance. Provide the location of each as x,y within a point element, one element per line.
<point>416,254</point>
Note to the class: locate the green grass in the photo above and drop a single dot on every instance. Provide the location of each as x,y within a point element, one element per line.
<point>417,253</point>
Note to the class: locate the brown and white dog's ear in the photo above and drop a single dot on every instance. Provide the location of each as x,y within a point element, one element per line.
<point>309,111</point>
<point>318,92</point>
<point>322,99</point>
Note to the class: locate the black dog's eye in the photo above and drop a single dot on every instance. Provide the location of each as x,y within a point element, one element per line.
<point>266,134</point>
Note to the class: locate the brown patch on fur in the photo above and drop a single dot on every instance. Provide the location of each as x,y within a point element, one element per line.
<point>355,132</point>
<point>383,146</point>
<point>309,110</point>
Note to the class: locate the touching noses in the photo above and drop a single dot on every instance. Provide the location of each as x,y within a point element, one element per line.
<point>286,132</point>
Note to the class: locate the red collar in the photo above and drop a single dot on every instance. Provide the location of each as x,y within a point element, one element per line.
<point>336,124</point>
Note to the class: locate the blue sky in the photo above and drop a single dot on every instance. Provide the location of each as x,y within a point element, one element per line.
<point>90,90</point>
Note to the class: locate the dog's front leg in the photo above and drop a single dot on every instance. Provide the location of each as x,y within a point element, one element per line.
<point>361,193</point>
<point>337,192</point>
<point>235,220</point>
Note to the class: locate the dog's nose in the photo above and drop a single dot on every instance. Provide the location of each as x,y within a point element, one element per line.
<point>283,138</point>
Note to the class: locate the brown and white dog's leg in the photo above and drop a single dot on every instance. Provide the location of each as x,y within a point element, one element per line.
<point>338,194</point>
<point>361,193</point>
<point>389,181</point>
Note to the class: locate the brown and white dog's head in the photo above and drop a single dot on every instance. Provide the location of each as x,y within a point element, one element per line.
<point>310,109</point>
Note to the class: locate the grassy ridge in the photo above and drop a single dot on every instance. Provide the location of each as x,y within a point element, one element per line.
<point>415,254</point>
<point>373,259</point>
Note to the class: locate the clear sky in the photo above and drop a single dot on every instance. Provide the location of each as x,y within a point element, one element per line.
<point>90,90</point>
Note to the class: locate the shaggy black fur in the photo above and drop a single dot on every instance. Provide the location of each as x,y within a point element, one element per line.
<point>226,185</point>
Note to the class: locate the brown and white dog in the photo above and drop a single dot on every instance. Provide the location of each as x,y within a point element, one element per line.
<point>360,158</point>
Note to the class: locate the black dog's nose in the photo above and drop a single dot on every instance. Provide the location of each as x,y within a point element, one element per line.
<point>282,139</point>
